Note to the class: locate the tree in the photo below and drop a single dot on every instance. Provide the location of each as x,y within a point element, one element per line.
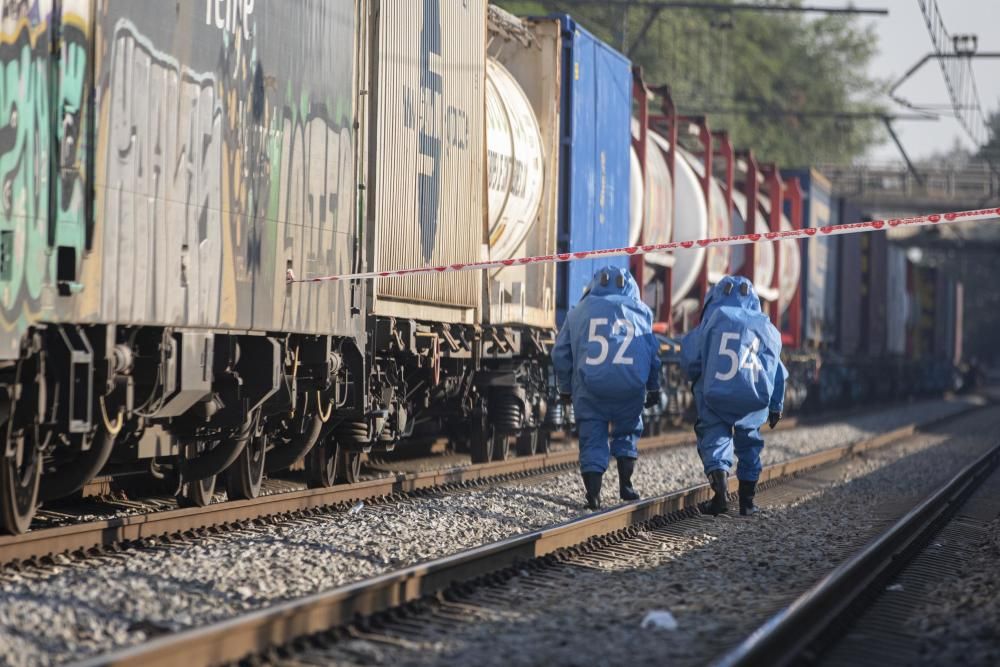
<point>745,69</point>
<point>956,157</point>
<point>991,151</point>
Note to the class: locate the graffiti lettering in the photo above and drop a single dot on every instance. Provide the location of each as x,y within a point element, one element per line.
<point>315,163</point>
<point>289,181</point>
<point>162,219</point>
<point>211,178</point>
<point>230,15</point>
<point>25,140</point>
<point>42,203</point>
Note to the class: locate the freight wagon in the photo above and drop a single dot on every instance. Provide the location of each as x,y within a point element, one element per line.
<point>859,312</point>
<point>175,169</point>
<point>170,170</point>
<point>168,167</point>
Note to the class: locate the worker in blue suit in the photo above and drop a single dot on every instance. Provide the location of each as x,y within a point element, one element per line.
<point>607,363</point>
<point>733,359</point>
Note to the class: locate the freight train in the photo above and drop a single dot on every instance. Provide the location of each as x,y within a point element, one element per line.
<point>167,168</point>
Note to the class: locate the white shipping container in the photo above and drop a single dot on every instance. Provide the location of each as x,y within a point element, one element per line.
<point>428,179</point>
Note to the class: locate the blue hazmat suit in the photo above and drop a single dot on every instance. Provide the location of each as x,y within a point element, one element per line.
<point>733,359</point>
<point>607,357</point>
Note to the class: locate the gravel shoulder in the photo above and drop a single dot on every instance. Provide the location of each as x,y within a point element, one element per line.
<point>959,624</point>
<point>80,608</point>
<point>719,577</point>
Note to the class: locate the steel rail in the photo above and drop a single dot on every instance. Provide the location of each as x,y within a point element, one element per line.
<point>798,628</point>
<point>83,536</point>
<point>259,631</point>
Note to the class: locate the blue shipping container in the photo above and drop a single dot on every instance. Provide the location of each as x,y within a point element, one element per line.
<point>819,262</point>
<point>594,159</point>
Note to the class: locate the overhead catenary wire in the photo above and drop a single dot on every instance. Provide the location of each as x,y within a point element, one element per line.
<point>959,77</point>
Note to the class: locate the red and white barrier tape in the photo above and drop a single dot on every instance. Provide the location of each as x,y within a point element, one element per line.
<point>742,239</point>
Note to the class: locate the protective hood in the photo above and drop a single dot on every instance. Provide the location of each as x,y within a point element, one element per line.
<point>613,280</point>
<point>735,291</point>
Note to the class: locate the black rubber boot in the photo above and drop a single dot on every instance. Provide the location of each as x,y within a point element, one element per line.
<point>592,482</point>
<point>626,466</point>
<point>747,491</point>
<point>719,482</point>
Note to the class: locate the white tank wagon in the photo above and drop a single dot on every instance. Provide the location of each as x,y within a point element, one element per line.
<point>652,202</point>
<point>690,223</point>
<point>636,193</point>
<point>764,253</point>
<point>720,222</point>
<point>790,263</point>
<point>651,215</point>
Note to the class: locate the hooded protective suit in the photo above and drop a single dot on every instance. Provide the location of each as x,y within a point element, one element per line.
<point>606,356</point>
<point>733,360</point>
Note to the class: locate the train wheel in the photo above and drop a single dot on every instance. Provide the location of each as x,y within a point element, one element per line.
<point>527,442</point>
<point>481,437</point>
<point>501,446</point>
<point>244,477</point>
<point>197,494</point>
<point>323,464</point>
<point>20,477</point>
<point>350,464</point>
<point>200,492</point>
<point>544,441</point>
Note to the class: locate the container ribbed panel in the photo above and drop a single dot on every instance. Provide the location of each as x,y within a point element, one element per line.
<point>429,165</point>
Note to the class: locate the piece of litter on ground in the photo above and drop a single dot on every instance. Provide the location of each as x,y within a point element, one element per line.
<point>659,620</point>
<point>894,588</point>
<point>357,508</point>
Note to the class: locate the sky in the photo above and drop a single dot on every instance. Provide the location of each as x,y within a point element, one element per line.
<point>904,40</point>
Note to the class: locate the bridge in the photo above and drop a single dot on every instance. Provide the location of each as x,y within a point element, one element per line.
<point>892,187</point>
<point>891,190</point>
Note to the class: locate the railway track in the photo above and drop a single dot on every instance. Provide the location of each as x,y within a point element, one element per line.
<point>408,592</point>
<point>157,522</point>
<point>144,519</point>
<point>816,627</point>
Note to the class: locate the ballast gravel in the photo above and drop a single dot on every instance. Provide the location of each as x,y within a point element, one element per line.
<point>717,578</point>
<point>960,624</point>
<point>51,614</point>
